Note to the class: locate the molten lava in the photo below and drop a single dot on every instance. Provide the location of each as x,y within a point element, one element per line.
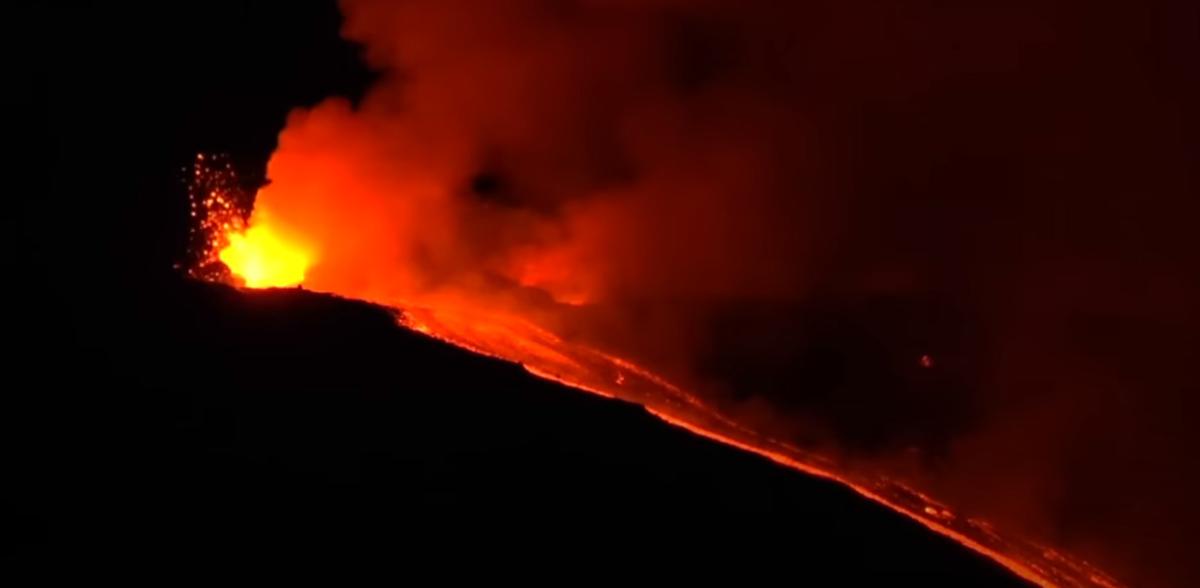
<point>225,244</point>
<point>262,259</point>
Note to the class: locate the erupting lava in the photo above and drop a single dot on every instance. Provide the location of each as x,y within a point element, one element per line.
<point>263,259</point>
<point>257,256</point>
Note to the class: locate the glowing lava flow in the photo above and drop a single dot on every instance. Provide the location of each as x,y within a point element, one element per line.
<point>547,356</point>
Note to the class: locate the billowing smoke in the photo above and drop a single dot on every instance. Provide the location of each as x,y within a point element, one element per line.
<point>955,241</point>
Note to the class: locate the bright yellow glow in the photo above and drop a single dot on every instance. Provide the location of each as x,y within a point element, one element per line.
<point>263,260</point>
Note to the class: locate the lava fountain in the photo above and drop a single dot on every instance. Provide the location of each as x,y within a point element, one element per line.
<point>262,259</point>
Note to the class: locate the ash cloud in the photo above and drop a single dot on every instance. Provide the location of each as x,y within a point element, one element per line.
<point>787,204</point>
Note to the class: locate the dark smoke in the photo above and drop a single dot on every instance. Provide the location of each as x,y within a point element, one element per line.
<point>789,204</point>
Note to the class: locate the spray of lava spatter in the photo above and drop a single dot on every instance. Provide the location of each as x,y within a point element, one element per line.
<point>218,205</point>
<point>224,247</point>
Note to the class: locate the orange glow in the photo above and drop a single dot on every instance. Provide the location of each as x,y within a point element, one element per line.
<point>360,259</point>
<point>262,259</point>
<point>784,227</point>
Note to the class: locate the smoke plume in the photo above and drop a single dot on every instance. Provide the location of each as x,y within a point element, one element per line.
<point>952,241</point>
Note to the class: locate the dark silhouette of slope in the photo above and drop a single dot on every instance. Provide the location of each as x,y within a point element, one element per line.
<point>200,424</point>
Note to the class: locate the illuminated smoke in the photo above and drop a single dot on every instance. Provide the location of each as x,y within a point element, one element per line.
<point>950,245</point>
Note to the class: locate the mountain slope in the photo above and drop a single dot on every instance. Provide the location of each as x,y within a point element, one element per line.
<point>194,421</point>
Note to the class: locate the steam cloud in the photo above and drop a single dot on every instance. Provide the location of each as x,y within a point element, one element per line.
<point>786,205</point>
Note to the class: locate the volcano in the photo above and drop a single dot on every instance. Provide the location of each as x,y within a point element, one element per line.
<point>223,423</point>
<point>904,291</point>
